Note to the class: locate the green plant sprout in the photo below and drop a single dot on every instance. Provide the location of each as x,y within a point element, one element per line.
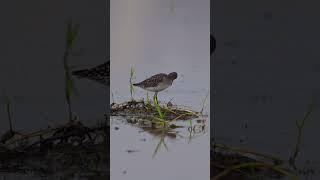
<point>70,38</point>
<point>131,87</point>
<point>158,108</point>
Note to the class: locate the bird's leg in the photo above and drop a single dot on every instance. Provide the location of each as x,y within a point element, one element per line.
<point>155,97</point>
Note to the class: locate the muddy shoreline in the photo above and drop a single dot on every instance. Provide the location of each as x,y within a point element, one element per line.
<point>84,150</point>
<point>73,148</point>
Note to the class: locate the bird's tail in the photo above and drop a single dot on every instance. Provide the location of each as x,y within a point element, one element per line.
<point>136,84</point>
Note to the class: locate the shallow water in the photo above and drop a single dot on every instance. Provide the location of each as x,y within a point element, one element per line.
<point>265,72</point>
<point>134,152</point>
<point>160,39</point>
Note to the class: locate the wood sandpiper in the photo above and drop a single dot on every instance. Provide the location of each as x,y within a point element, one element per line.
<point>157,83</point>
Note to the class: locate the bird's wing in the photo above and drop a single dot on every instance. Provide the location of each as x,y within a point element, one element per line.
<point>153,80</point>
<point>99,73</point>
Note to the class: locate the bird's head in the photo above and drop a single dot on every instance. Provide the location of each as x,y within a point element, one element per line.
<point>173,75</point>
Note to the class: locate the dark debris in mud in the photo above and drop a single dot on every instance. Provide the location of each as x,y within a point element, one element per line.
<point>73,146</point>
<point>232,165</point>
<point>143,109</point>
<point>222,161</point>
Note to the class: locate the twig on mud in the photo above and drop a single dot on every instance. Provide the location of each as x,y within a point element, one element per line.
<point>254,165</point>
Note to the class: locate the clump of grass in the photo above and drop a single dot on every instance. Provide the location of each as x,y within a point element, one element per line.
<point>158,108</point>
<point>70,38</point>
<point>131,87</point>
<point>300,126</point>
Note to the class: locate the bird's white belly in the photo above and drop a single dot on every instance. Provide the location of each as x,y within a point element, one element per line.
<point>160,87</point>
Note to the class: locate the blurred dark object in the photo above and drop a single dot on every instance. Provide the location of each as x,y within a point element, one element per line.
<point>212,44</point>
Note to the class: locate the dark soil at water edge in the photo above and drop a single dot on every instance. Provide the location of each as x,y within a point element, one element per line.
<point>230,163</point>
<point>73,148</point>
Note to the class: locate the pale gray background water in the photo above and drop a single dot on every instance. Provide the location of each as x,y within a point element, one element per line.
<point>266,68</point>
<point>157,36</point>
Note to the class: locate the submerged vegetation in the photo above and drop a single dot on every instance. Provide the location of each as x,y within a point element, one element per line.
<point>300,126</point>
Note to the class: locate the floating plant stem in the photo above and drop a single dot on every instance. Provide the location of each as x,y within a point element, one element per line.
<point>204,103</point>
<point>9,113</point>
<point>300,125</point>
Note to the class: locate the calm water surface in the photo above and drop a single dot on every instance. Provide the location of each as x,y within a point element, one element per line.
<point>161,38</point>
<point>266,69</point>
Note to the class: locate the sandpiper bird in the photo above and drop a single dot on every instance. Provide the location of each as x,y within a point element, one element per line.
<point>157,83</point>
<point>100,73</point>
